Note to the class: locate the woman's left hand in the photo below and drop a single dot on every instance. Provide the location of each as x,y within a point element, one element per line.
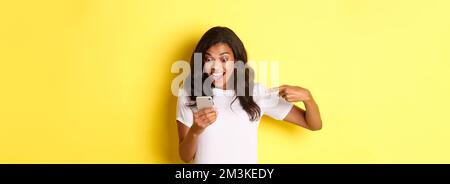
<point>294,93</point>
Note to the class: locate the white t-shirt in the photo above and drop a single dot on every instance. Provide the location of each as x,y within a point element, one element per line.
<point>232,138</point>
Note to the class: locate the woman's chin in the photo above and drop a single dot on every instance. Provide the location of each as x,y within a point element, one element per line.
<point>219,83</point>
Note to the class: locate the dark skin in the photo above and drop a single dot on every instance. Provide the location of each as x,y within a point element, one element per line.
<point>308,118</point>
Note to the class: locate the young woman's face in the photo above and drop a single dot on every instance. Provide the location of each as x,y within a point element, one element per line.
<point>219,63</point>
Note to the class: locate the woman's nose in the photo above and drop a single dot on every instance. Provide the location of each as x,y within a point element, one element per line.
<point>217,66</point>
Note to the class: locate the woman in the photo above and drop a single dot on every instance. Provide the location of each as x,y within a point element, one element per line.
<point>227,133</point>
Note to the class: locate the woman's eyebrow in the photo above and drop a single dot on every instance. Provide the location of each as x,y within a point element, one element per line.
<point>224,53</point>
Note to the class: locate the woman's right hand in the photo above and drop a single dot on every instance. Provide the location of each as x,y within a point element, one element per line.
<point>202,119</point>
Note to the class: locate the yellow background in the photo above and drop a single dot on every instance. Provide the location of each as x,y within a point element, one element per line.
<point>88,81</point>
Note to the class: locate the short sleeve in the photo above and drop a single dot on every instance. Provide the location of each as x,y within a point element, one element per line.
<point>271,103</point>
<point>184,112</point>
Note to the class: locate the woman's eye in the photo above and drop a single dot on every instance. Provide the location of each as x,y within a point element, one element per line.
<point>224,59</point>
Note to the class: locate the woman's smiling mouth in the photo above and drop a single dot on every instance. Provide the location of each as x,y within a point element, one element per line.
<point>218,75</point>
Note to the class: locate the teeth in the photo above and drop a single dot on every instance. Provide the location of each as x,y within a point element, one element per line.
<point>217,76</point>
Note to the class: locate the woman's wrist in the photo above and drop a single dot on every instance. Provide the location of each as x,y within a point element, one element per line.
<point>310,101</point>
<point>192,133</point>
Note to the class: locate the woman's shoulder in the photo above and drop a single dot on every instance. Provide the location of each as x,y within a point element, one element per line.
<point>259,88</point>
<point>182,92</point>
<point>184,97</point>
<point>260,92</point>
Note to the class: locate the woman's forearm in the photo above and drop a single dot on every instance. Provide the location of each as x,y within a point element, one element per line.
<point>312,115</point>
<point>188,147</point>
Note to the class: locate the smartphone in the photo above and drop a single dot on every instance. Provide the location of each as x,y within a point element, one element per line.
<point>204,102</point>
